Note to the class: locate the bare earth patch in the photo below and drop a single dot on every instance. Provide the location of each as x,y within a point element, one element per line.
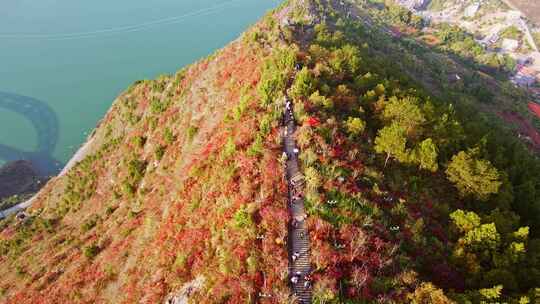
<point>529,8</point>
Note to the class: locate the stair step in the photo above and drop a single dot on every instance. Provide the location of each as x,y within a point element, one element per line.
<point>298,241</point>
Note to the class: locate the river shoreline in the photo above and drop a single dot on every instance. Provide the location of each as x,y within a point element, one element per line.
<point>77,157</point>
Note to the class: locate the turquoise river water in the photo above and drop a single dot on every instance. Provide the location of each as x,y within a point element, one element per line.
<point>63,62</point>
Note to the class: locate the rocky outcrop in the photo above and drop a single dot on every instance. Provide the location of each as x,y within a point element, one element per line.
<point>182,296</point>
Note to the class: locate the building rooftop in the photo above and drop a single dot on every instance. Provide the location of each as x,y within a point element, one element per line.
<point>526,71</point>
<point>509,44</point>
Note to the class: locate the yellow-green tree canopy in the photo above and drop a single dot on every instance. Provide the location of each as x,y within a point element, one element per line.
<point>473,176</point>
<point>406,112</point>
<point>425,155</point>
<point>428,293</point>
<point>303,84</point>
<point>392,141</point>
<point>355,125</point>
<point>465,221</point>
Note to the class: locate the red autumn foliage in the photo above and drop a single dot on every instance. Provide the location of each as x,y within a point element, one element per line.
<point>313,121</point>
<point>535,108</point>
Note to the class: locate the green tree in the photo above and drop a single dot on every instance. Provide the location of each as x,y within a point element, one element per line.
<point>313,179</point>
<point>275,74</point>
<point>406,112</point>
<point>483,237</point>
<point>425,155</point>
<point>428,293</point>
<point>491,256</point>
<point>345,60</point>
<point>379,89</point>
<point>491,293</point>
<point>303,84</point>
<point>473,176</point>
<point>320,100</point>
<point>465,221</point>
<point>476,236</point>
<point>355,126</point>
<point>392,141</point>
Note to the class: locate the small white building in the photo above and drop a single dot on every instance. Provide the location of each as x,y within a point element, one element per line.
<point>471,10</point>
<point>514,15</point>
<point>494,38</point>
<point>509,45</point>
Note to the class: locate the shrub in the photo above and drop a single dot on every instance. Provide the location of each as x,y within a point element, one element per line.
<point>239,110</point>
<point>128,189</point>
<point>89,223</point>
<point>265,125</point>
<point>168,136</point>
<point>192,131</point>
<point>256,147</point>
<point>20,271</point>
<point>136,170</point>
<point>91,251</point>
<point>242,218</point>
<point>230,148</point>
<point>159,85</point>
<point>139,141</point>
<point>160,151</point>
<point>110,210</point>
<point>157,106</point>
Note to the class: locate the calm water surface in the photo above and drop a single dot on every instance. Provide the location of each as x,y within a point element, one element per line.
<point>62,62</point>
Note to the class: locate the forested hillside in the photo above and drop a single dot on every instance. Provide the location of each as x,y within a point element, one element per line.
<point>415,191</point>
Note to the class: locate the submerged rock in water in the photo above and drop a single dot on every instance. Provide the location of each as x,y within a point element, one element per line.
<point>18,178</point>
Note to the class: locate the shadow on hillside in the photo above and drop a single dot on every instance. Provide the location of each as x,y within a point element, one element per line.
<point>45,122</point>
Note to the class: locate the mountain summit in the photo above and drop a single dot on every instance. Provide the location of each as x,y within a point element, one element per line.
<point>412,190</point>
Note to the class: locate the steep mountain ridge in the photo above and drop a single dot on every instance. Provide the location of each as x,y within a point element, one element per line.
<point>179,119</point>
<point>182,194</point>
